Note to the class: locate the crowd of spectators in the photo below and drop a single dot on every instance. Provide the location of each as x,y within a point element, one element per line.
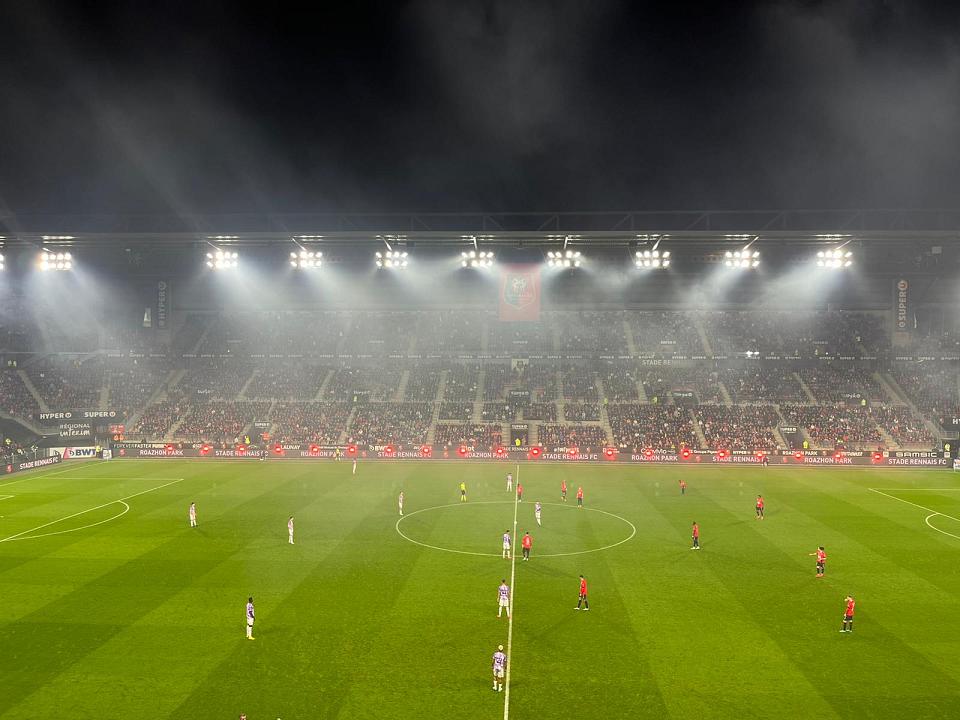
<point>619,381</point>
<point>210,379</point>
<point>471,435</point>
<point>836,426</point>
<point>661,427</point>
<point>933,388</point>
<point>157,419</point>
<point>659,383</point>
<point>580,383</point>
<point>461,411</point>
<point>498,412</point>
<point>762,384</point>
<point>220,421</point>
<point>423,383</point>
<point>310,422</point>
<point>496,378</point>
<point>586,412</point>
<point>837,384</point>
<point>747,427</point>
<point>450,332</point>
<point>520,338</point>
<point>379,423</point>
<point>569,436</point>
<point>903,425</point>
<point>381,333</point>
<point>463,380</point>
<point>68,385</point>
<point>665,333</point>
<point>287,381</point>
<point>589,331</point>
<point>364,382</point>
<point>544,412</point>
<point>132,382</point>
<point>539,379</point>
<point>15,398</point>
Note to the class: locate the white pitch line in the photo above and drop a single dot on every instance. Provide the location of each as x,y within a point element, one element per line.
<point>926,520</point>
<point>933,527</point>
<point>39,476</point>
<point>513,610</point>
<point>82,512</point>
<point>633,530</point>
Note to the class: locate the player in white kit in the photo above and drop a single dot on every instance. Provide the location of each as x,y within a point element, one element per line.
<point>509,482</point>
<point>290,529</point>
<point>193,514</point>
<point>503,598</point>
<point>354,466</point>
<point>499,666</point>
<point>536,511</point>
<point>506,545</point>
<point>400,502</point>
<point>250,618</point>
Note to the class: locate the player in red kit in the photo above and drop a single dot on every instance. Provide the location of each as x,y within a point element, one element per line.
<point>519,492</point>
<point>580,497</point>
<point>759,507</point>
<point>696,536</point>
<point>583,595</point>
<point>683,487</point>
<point>821,560</point>
<point>526,543</point>
<point>848,614</point>
<point>563,490</point>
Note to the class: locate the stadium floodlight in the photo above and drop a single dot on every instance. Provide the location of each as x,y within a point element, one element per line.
<point>745,259</point>
<point>223,260</point>
<point>564,258</point>
<point>653,259</point>
<point>392,259</point>
<point>306,259</point>
<point>834,259</point>
<point>477,258</point>
<point>49,261</point>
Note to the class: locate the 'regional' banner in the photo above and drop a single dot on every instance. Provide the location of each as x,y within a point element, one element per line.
<point>520,293</point>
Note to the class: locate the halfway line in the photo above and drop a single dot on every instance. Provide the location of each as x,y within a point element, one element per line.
<point>513,576</point>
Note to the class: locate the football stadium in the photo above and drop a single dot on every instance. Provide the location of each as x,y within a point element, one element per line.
<point>471,360</point>
<point>344,428</point>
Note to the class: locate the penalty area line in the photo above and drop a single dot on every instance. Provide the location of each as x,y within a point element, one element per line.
<point>122,501</point>
<point>926,520</point>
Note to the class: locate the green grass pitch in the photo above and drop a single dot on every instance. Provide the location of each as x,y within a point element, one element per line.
<point>119,610</point>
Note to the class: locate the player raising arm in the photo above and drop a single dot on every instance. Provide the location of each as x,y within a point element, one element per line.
<point>848,614</point>
<point>499,666</point>
<point>821,560</point>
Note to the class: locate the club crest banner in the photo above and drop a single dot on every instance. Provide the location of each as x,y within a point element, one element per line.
<point>520,293</point>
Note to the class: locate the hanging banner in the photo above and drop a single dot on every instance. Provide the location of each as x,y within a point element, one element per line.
<point>520,293</point>
<point>163,304</point>
<point>902,320</point>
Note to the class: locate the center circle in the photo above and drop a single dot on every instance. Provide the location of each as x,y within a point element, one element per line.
<point>553,528</point>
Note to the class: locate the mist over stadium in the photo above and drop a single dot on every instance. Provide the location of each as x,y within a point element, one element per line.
<point>327,331</point>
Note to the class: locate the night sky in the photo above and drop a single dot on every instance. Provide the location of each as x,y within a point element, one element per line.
<point>167,107</point>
